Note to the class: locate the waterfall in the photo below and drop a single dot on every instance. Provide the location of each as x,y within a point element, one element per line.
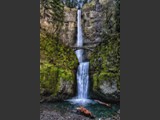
<point>75,3</point>
<point>79,52</point>
<point>82,79</point>
<point>83,68</point>
<point>82,72</point>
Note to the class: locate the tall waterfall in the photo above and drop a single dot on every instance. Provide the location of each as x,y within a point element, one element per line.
<point>82,72</point>
<point>83,68</point>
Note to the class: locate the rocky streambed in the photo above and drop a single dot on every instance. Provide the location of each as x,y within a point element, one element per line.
<point>67,111</point>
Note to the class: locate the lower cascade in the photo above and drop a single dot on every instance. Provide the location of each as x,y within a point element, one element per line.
<point>82,79</point>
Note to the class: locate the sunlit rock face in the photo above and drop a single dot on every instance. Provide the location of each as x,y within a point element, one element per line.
<point>46,20</point>
<point>68,30</point>
<point>64,24</point>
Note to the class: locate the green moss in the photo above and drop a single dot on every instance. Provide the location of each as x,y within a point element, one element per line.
<point>95,79</point>
<point>58,62</point>
<point>105,61</point>
<point>56,53</point>
<point>89,5</point>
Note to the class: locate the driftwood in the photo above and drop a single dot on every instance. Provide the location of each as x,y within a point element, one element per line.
<point>108,105</point>
<point>85,112</point>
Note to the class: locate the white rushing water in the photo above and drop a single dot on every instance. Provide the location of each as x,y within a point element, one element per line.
<point>83,68</point>
<point>77,3</point>
<point>82,79</point>
<point>79,30</point>
<point>79,52</point>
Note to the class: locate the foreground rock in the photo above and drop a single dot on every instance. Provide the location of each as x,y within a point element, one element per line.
<point>50,114</point>
<point>54,115</point>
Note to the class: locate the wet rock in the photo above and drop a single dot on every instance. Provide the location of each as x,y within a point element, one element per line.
<point>107,87</point>
<point>107,91</point>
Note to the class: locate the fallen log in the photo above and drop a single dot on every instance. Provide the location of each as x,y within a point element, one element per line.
<point>85,112</point>
<point>100,102</point>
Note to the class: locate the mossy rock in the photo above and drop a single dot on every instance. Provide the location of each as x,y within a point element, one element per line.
<point>58,65</point>
<point>90,5</point>
<point>56,81</point>
<point>105,68</point>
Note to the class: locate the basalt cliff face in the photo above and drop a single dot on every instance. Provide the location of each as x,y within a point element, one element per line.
<point>102,35</point>
<point>62,23</point>
<point>68,30</point>
<point>98,18</point>
<point>58,28</point>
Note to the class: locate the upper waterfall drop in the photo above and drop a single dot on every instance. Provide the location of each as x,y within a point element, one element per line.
<point>79,30</point>
<point>79,43</point>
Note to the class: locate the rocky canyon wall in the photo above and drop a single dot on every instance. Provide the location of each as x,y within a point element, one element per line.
<point>68,30</point>
<point>58,62</point>
<point>101,34</point>
<point>64,24</point>
<point>94,19</point>
<point>100,23</point>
